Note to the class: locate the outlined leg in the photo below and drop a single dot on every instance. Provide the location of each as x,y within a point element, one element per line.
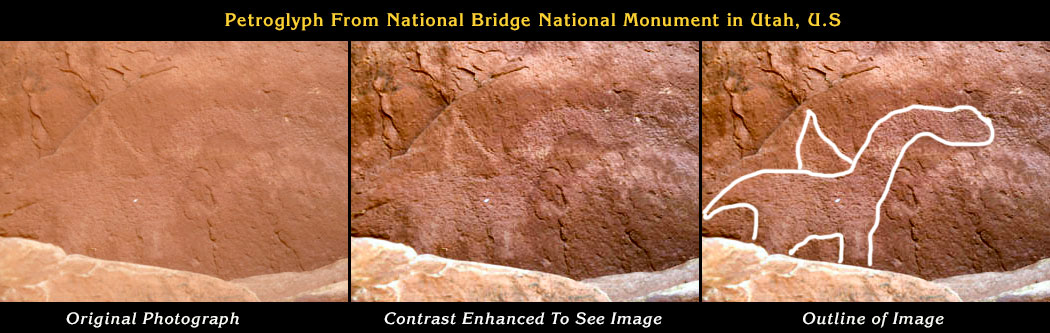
<point>754,214</point>
<point>842,244</point>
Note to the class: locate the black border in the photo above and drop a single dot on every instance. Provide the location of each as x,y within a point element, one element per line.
<point>265,316</point>
<point>957,317</point>
<point>671,315</point>
<point>912,21</point>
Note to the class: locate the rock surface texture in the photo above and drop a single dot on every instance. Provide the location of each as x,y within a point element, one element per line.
<point>580,159</point>
<point>223,158</point>
<point>335,292</point>
<point>686,292</point>
<point>741,272</point>
<point>631,286</point>
<point>949,211</point>
<point>387,272</point>
<point>290,286</point>
<point>34,271</point>
<point>1037,292</point>
<point>989,286</point>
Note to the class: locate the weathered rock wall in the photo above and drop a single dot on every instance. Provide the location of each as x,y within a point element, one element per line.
<point>224,158</point>
<point>580,159</point>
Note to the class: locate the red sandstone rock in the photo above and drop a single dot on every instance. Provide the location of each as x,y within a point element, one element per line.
<point>740,272</point>
<point>222,158</point>
<point>381,271</point>
<point>579,159</point>
<point>34,271</point>
<point>950,210</point>
<point>318,284</point>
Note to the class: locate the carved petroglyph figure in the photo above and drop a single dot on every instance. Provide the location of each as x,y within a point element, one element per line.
<point>867,180</point>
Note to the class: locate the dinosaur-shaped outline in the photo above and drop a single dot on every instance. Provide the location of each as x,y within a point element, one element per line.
<point>708,214</point>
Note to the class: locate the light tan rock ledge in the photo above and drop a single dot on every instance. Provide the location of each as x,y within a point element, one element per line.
<point>325,284</point>
<point>651,286</point>
<point>386,271</point>
<point>743,272</point>
<point>35,271</point>
<point>1003,286</point>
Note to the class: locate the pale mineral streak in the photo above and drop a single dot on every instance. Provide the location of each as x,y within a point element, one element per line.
<point>322,284</point>
<point>1038,292</point>
<point>335,292</point>
<point>686,292</point>
<point>641,285</point>
<point>1023,284</point>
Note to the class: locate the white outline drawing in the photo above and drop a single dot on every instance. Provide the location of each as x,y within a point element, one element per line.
<point>842,243</point>
<point>708,214</point>
<point>816,126</point>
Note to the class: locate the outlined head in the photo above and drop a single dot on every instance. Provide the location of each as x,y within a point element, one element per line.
<point>959,126</point>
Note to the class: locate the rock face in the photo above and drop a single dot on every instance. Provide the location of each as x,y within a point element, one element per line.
<point>34,271</point>
<point>222,158</point>
<point>631,286</point>
<point>987,286</point>
<point>949,211</point>
<point>740,272</point>
<point>386,272</point>
<point>579,159</point>
<point>325,283</point>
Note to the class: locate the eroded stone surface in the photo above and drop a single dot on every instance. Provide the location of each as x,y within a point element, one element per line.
<point>224,158</point>
<point>578,158</point>
<point>335,292</point>
<point>686,292</point>
<point>973,287</point>
<point>1037,292</point>
<point>34,271</point>
<point>290,286</point>
<point>624,287</point>
<point>386,272</point>
<point>950,210</point>
<point>741,272</point>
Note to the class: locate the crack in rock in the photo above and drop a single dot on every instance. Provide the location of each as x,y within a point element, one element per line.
<point>648,256</point>
<point>298,259</point>
<point>391,133</point>
<point>980,235</point>
<point>16,209</point>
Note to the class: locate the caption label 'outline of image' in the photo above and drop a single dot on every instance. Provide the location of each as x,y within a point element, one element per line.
<point>708,213</point>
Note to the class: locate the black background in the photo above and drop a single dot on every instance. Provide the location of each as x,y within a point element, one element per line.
<point>867,21</point>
